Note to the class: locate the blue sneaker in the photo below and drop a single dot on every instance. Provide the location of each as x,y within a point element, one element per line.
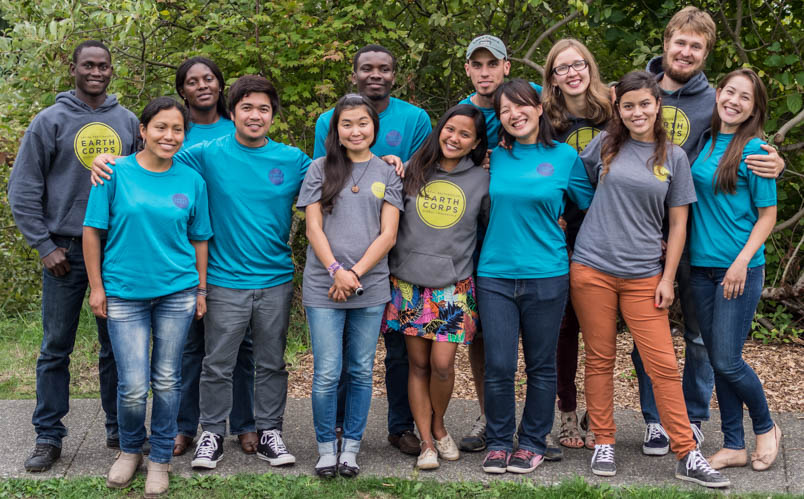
<point>656,441</point>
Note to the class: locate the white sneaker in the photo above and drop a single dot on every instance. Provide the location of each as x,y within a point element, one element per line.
<point>447,449</point>
<point>428,459</point>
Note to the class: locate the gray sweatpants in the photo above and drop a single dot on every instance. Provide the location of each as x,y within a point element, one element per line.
<point>229,313</point>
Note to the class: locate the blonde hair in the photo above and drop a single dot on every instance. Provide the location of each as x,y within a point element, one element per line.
<point>598,100</point>
<point>695,20</point>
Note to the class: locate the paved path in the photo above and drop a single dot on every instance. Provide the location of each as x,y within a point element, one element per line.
<point>84,451</point>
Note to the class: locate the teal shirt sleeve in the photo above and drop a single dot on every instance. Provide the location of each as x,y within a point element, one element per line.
<point>423,129</point>
<point>580,189</point>
<point>762,190</point>
<point>200,228</point>
<point>304,164</point>
<point>100,199</point>
<point>321,129</point>
<point>193,157</point>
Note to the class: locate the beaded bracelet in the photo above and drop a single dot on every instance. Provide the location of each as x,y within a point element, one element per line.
<point>201,291</point>
<point>332,269</point>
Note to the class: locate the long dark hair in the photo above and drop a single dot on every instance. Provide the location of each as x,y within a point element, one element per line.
<point>181,77</point>
<point>337,165</point>
<point>161,104</point>
<point>726,174</point>
<point>618,133</point>
<point>423,163</point>
<point>520,92</point>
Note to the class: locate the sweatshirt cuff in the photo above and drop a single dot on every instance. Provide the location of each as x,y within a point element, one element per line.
<point>45,248</point>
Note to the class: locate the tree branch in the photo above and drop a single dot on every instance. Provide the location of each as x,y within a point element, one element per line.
<point>779,137</point>
<point>789,222</point>
<point>152,63</point>
<point>792,147</point>
<point>734,34</point>
<point>530,63</point>
<point>547,33</point>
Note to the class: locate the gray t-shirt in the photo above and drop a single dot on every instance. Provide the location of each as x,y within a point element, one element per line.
<point>622,232</point>
<point>350,229</point>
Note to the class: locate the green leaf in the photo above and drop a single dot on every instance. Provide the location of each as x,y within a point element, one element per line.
<point>794,102</point>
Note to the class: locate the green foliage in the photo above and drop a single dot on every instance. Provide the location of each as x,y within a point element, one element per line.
<point>775,324</point>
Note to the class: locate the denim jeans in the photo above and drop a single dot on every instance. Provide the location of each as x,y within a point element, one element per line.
<point>534,306</point>
<point>62,299</point>
<point>698,379</point>
<point>230,313</point>
<point>725,325</point>
<point>132,324</point>
<point>342,337</point>
<point>241,419</point>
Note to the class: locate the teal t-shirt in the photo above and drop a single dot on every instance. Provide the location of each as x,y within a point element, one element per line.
<point>403,128</point>
<point>492,122</point>
<point>722,222</point>
<point>527,190</point>
<point>251,192</point>
<point>203,133</point>
<point>151,218</point>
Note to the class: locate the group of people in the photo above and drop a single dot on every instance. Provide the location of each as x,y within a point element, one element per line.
<point>529,213</point>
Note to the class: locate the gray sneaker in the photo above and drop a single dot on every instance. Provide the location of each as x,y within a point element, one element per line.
<point>603,460</point>
<point>552,451</point>
<point>695,468</point>
<point>475,441</point>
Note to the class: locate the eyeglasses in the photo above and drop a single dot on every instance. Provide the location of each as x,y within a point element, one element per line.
<point>578,65</point>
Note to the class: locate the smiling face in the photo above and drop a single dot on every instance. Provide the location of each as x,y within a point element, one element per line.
<point>574,82</point>
<point>253,117</point>
<point>457,138</point>
<point>684,55</point>
<point>92,72</point>
<point>638,110</point>
<point>201,88</point>
<point>735,103</point>
<point>486,72</point>
<point>355,129</point>
<point>374,76</point>
<point>521,121</point>
<point>164,134</point>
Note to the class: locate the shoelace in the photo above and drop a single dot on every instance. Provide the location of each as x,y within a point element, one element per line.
<point>654,430</point>
<point>478,428</point>
<point>41,449</point>
<point>272,439</point>
<point>496,454</point>
<point>696,461</point>
<point>207,446</point>
<point>604,453</point>
<point>523,454</point>
<point>699,437</point>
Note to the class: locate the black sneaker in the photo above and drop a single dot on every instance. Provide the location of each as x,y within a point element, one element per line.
<point>496,461</point>
<point>523,461</point>
<point>552,451</point>
<point>697,433</point>
<point>695,468</point>
<point>475,441</point>
<point>42,457</point>
<point>656,441</point>
<point>208,451</point>
<point>603,460</point>
<point>272,449</point>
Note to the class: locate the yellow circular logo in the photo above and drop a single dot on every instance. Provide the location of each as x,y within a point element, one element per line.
<point>581,137</point>
<point>441,205</point>
<point>660,172</point>
<point>93,139</point>
<point>676,123</point>
<point>378,189</point>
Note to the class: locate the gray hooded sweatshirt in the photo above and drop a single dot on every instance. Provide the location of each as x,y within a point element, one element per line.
<point>49,184</point>
<point>687,112</point>
<point>438,229</point>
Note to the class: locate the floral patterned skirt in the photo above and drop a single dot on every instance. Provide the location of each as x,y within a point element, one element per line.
<point>438,314</point>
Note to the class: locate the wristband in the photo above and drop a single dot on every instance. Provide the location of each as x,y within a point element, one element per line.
<point>355,273</point>
<point>332,269</point>
<point>201,291</point>
<point>667,280</point>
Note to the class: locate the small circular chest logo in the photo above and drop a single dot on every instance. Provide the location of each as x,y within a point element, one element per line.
<point>93,139</point>
<point>581,137</point>
<point>181,201</point>
<point>378,189</point>
<point>276,176</point>
<point>393,138</point>
<point>660,172</point>
<point>676,123</point>
<point>545,169</point>
<point>442,204</point>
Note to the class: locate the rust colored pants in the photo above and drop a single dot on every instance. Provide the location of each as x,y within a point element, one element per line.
<point>596,297</point>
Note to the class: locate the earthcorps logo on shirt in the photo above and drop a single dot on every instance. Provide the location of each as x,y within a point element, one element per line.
<point>276,176</point>
<point>442,204</point>
<point>393,138</point>
<point>581,137</point>
<point>93,139</point>
<point>181,201</point>
<point>378,189</point>
<point>660,172</point>
<point>676,123</point>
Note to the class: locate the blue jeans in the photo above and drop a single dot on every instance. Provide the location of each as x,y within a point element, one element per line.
<point>62,299</point>
<point>534,306</point>
<point>132,324</point>
<point>698,379</point>
<point>342,336</point>
<point>725,325</point>
<point>241,419</point>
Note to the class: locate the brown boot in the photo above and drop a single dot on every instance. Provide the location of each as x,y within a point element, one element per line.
<point>157,480</point>
<point>122,471</point>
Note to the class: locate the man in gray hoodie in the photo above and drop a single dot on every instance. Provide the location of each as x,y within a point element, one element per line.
<point>687,104</point>
<point>48,192</point>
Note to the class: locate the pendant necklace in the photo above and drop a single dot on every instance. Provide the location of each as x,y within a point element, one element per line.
<point>355,188</point>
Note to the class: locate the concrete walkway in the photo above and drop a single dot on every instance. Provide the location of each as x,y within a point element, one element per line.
<point>84,452</point>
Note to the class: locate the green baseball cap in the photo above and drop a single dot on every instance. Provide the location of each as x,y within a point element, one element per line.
<point>490,43</point>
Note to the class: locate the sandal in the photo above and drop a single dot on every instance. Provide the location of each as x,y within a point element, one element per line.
<point>568,434</point>
<point>589,439</point>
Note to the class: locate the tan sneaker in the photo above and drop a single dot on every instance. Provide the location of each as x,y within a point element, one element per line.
<point>447,449</point>
<point>122,471</point>
<point>428,459</point>
<point>158,479</point>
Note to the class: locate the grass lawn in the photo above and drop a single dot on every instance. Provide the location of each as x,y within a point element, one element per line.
<point>280,486</point>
